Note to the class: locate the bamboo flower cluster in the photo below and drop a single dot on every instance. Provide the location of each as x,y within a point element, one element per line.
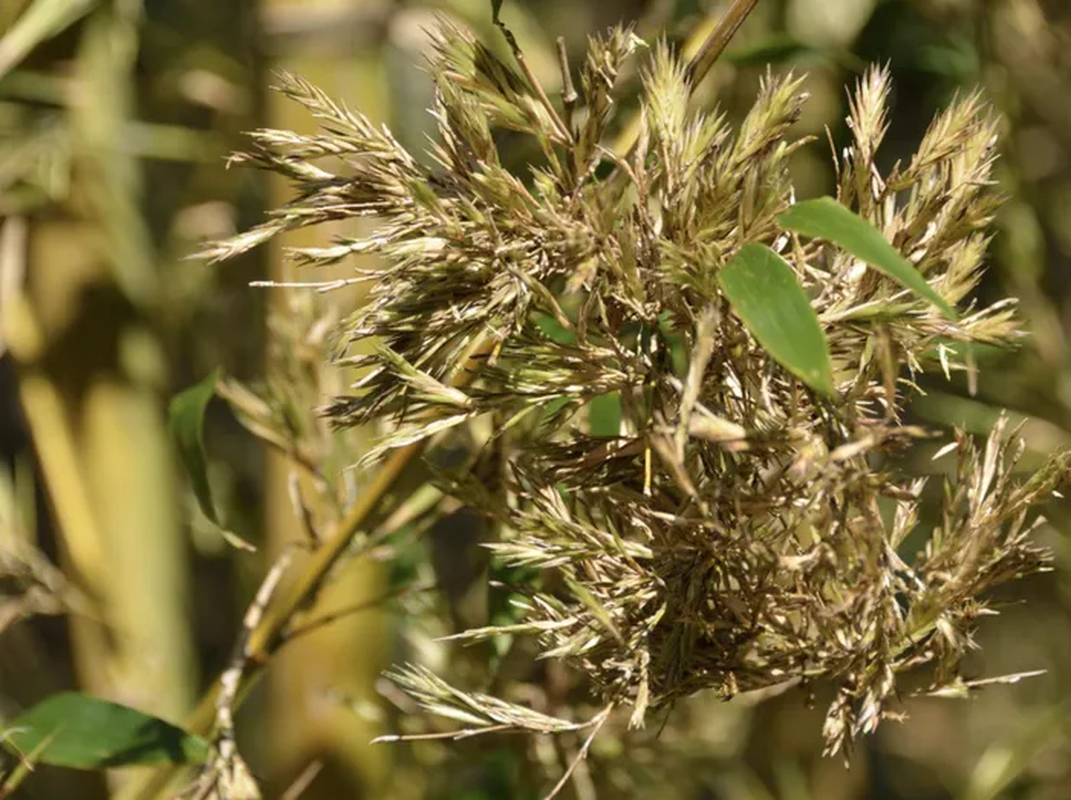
<point>735,529</point>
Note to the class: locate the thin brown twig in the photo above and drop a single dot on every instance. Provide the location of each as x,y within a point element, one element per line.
<point>333,616</point>
<point>301,509</point>
<point>225,766</point>
<point>464,733</point>
<point>303,781</point>
<point>716,43</point>
<point>569,93</point>
<point>597,723</point>
<point>537,87</point>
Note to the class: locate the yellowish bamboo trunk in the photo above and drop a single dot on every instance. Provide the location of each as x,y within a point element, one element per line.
<point>307,720</point>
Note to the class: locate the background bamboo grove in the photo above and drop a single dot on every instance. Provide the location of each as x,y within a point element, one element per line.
<point>116,117</point>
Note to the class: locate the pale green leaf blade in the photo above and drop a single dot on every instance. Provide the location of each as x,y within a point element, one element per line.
<point>825,218</point>
<point>80,732</point>
<point>765,294</point>
<point>42,20</point>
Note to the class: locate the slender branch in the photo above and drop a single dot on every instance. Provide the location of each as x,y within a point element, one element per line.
<point>231,678</point>
<point>698,66</point>
<point>301,510</point>
<point>537,87</point>
<point>303,781</point>
<point>715,44</point>
<point>569,94</point>
<point>333,616</point>
<point>597,724</point>
<point>464,733</point>
<point>226,769</point>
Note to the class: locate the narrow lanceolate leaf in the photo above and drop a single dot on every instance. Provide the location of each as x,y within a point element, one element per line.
<point>765,294</point>
<point>825,218</point>
<point>186,419</point>
<point>80,732</point>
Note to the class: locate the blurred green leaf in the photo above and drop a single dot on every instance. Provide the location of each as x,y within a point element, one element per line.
<point>80,732</point>
<point>554,329</point>
<point>1006,760</point>
<point>604,414</point>
<point>765,294</point>
<point>675,344</point>
<point>37,87</point>
<point>42,20</point>
<point>773,50</point>
<point>825,218</point>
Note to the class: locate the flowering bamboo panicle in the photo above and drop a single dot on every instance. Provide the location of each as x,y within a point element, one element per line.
<point>727,534</point>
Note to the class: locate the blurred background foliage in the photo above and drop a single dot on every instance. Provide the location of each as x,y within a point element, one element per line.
<point>115,118</point>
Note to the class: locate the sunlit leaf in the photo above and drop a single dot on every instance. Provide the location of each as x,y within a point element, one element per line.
<point>825,218</point>
<point>765,294</point>
<point>73,730</point>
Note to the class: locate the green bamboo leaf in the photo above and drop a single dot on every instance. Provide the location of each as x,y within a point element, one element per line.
<point>765,294</point>
<point>186,418</point>
<point>80,732</point>
<point>604,415</point>
<point>825,218</point>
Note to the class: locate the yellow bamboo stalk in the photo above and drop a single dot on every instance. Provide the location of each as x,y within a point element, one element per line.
<point>57,454</point>
<point>125,447</point>
<point>347,656</point>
